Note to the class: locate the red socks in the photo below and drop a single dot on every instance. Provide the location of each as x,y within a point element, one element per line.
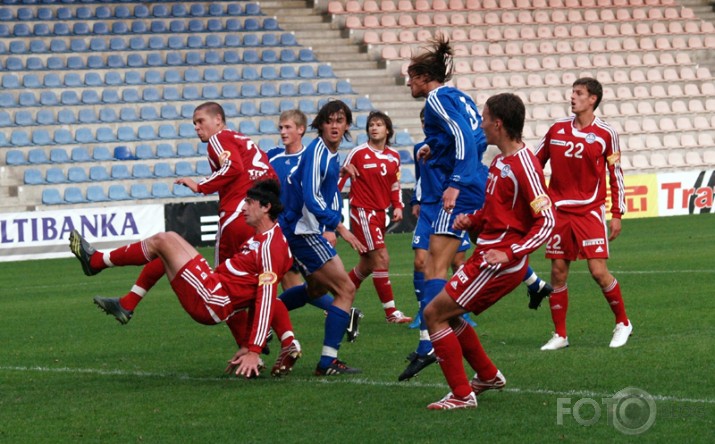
<point>281,323</point>
<point>559,302</point>
<point>474,352</point>
<point>149,276</point>
<point>132,254</point>
<point>615,300</point>
<point>449,355</point>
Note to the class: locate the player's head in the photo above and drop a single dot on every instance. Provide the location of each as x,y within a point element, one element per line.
<point>292,125</point>
<point>435,64</point>
<point>592,89</point>
<point>209,118</point>
<point>382,125</point>
<point>267,192</point>
<point>507,110</point>
<point>332,122</point>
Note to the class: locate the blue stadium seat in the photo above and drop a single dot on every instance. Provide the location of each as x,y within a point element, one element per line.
<point>248,128</point>
<point>250,56</point>
<point>181,191</point>
<point>249,91</point>
<point>59,155</point>
<point>186,130</point>
<point>267,127</point>
<point>269,56</point>
<point>403,138</point>
<point>72,79</point>
<point>268,108</point>
<point>117,43</point>
<point>98,173</point>
<point>105,134</point>
<point>216,9</point>
<point>177,26</point>
<point>63,136</point>
<point>148,113</point>
<point>187,111</point>
<point>306,72</point>
<point>233,25</point>
<point>103,12</point>
<point>191,93</point>
<point>137,60</point>
<point>22,118</point>
<point>229,108</point>
<point>90,97</point>
<point>55,175</point>
<point>18,47</point>
<point>229,57</point>
<point>33,176</point>
<point>250,73</point>
<point>270,24</point>
<point>192,58</point>
<point>306,89</point>
<point>21,30</point>
<point>288,39</point>
<point>169,112</point>
<point>95,193</point>
<point>146,132</point>
<point>288,56</point>
<point>167,131</point>
<point>172,76</point>
<point>120,172</point>
<point>38,46</point>
<point>203,168</point>
<point>27,98</point>
<point>163,169</point>
<point>119,28</point>
<point>73,62</point>
<point>197,10</point>
<point>10,81</point>
<point>230,75</point>
<point>153,77</point>
<point>326,88</point>
<point>126,114</point>
<point>93,79</point>
<point>307,106</point>
<point>139,191</point>
<point>178,10</point>
<point>269,73</point>
<point>212,41</point>
<point>140,11</point>
<point>160,11</point>
<point>133,78</point>
<point>83,13</point>
<point>160,190</point>
<point>266,144</point>
<point>115,61</point>
<point>41,137</point>
<point>250,40</point>
<point>77,174</point>
<point>122,12</point>
<point>212,75</point>
<point>214,58</point>
<point>107,115</point>
<point>112,78</point>
<point>286,104</point>
<point>73,195</point>
<point>343,87</point>
<point>141,171</point>
<point>19,138</point>
<point>80,154</point>
<point>407,176</point>
<point>41,30</point>
<point>5,119</point>
<point>164,151</point>
<point>101,153</point>
<point>78,45</point>
<point>306,55</point>
<point>363,104</point>
<point>99,28</point>
<point>171,94</point>
<point>249,24</point>
<point>125,134</point>
<point>69,98</point>
<point>15,157</point>
<point>118,192</point>
<point>144,152</point>
<point>232,41</point>
<point>196,25</point>
<point>288,72</point>
<point>151,94</point>
<point>184,169</point>
<point>361,138</point>
<point>37,155</point>
<point>269,90</point>
<point>157,42</point>
<point>98,43</point>
<point>214,25</point>
<point>122,152</point>
<point>7,100</point>
<point>51,196</point>
<point>192,75</point>
<point>185,149</point>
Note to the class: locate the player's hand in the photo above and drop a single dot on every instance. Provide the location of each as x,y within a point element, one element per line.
<point>248,365</point>
<point>424,153</point>
<point>614,226</point>
<point>231,367</point>
<point>189,183</point>
<point>494,257</point>
<point>397,215</point>
<point>349,170</point>
<point>351,239</point>
<point>462,222</point>
<point>449,199</point>
<point>416,210</point>
<point>331,238</point>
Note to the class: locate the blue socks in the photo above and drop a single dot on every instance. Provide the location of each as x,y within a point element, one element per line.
<point>335,324</point>
<point>418,280</point>
<point>532,281</point>
<point>297,297</point>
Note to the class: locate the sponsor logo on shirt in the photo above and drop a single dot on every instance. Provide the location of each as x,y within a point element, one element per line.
<point>558,142</point>
<point>591,242</point>
<point>461,276</point>
<point>267,278</point>
<point>540,203</point>
<point>253,245</point>
<point>370,165</point>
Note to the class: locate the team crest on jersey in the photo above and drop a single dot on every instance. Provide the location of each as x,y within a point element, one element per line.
<point>590,137</point>
<point>223,157</point>
<point>267,278</point>
<point>253,245</point>
<point>614,158</point>
<point>505,171</point>
<point>540,203</point>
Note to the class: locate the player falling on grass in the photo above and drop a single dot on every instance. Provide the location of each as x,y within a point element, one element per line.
<point>292,125</point>
<point>453,150</point>
<point>516,220</point>
<point>582,149</point>
<point>247,281</point>
<point>236,163</point>
<point>376,186</point>
<point>311,218</point>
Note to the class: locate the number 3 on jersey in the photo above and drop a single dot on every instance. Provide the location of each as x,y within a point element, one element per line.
<point>472,113</point>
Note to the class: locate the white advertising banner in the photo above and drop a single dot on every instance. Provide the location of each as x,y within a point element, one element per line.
<point>45,234</point>
<point>686,192</point>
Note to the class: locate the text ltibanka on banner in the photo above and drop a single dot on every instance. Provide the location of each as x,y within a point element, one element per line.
<point>45,234</point>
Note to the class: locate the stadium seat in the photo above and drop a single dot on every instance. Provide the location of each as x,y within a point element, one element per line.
<point>73,195</point>
<point>162,169</point>
<point>118,192</point>
<point>160,190</point>
<point>203,168</point>
<point>33,176</point>
<point>95,193</point>
<point>51,196</point>
<point>139,191</point>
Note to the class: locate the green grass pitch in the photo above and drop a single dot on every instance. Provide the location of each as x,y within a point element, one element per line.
<point>69,373</point>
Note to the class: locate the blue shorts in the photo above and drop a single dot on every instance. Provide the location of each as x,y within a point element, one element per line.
<point>425,228</point>
<point>310,251</point>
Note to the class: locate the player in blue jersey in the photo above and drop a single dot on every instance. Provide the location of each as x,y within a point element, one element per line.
<point>310,220</point>
<point>452,179</point>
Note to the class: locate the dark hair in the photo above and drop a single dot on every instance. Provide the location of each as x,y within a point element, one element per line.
<point>267,191</point>
<point>436,63</point>
<point>212,108</point>
<point>508,108</point>
<point>385,118</point>
<point>593,87</point>
<point>327,110</point>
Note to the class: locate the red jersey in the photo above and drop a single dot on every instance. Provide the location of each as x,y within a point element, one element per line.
<point>254,274</point>
<point>579,159</point>
<point>378,185</point>
<point>236,162</point>
<point>516,216</point>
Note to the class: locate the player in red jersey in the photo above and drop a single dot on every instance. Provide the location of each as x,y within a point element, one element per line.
<point>582,148</point>
<point>376,185</point>
<point>515,220</point>
<point>247,281</point>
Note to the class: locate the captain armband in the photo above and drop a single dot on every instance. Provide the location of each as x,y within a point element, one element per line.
<point>614,158</point>
<point>540,203</point>
<point>267,278</point>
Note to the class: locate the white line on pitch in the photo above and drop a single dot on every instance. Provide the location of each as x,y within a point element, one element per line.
<point>347,381</point>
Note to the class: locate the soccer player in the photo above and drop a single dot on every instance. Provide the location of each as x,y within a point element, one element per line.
<point>582,148</point>
<point>236,163</point>
<point>516,219</point>
<point>246,281</point>
<point>375,187</point>
<point>312,217</point>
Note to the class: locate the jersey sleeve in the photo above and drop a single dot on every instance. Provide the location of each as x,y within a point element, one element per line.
<point>268,263</point>
<point>395,188</point>
<point>316,166</point>
<point>615,177</point>
<point>533,189</point>
<point>226,152</point>
<point>542,149</point>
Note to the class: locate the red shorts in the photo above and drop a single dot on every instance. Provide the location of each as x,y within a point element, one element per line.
<point>578,236</point>
<point>233,231</point>
<point>368,226</point>
<point>477,286</point>
<point>200,293</point>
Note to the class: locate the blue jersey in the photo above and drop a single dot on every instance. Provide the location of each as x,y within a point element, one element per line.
<point>425,178</point>
<point>283,163</point>
<point>311,196</point>
<point>457,143</point>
